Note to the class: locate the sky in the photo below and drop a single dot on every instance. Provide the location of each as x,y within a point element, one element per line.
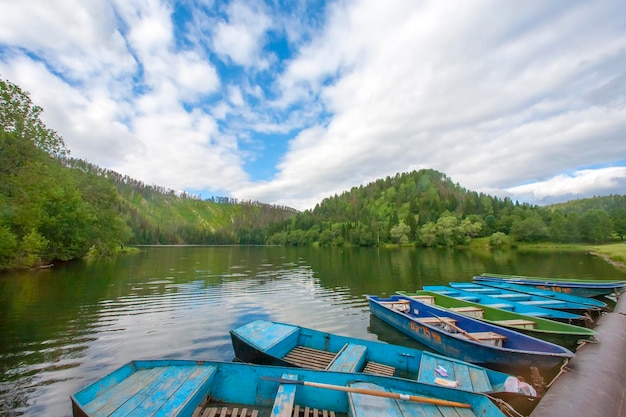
<point>289,102</point>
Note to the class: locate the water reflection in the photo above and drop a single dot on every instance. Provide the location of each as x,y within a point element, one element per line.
<point>63,328</point>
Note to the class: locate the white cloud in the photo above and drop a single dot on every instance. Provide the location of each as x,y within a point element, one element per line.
<point>488,99</point>
<point>240,39</point>
<point>494,95</point>
<point>581,184</point>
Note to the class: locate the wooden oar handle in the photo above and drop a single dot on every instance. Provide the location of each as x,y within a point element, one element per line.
<point>386,394</point>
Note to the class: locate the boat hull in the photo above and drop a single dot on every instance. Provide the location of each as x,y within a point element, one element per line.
<point>592,302</point>
<point>254,342</point>
<point>580,288</point>
<point>510,358</point>
<point>149,388</point>
<point>562,334</point>
<point>523,298</point>
<point>486,300</point>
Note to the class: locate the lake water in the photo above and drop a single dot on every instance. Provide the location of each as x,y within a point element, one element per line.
<point>64,327</point>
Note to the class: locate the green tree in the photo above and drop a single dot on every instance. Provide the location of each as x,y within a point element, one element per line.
<point>400,233</point>
<point>498,239</point>
<point>532,229</point>
<point>618,217</point>
<point>572,228</point>
<point>596,226</point>
<point>8,247</point>
<point>18,114</point>
<point>428,234</point>
<point>558,227</point>
<point>31,249</point>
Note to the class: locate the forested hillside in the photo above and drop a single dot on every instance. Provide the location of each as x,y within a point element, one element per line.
<point>426,208</point>
<point>158,215</point>
<point>56,208</point>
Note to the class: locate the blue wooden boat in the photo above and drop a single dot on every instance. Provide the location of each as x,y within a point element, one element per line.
<point>271,343</point>
<point>523,298</point>
<point>564,334</point>
<point>465,338</point>
<point>530,310</point>
<point>592,302</point>
<point>578,287</point>
<point>220,389</point>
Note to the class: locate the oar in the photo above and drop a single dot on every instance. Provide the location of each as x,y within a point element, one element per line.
<point>376,393</point>
<point>457,328</point>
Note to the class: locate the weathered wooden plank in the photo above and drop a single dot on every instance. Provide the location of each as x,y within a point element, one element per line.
<point>409,409</point>
<point>462,375</point>
<point>153,395</point>
<point>427,368</point>
<point>187,391</point>
<point>527,324</point>
<point>480,380</point>
<point>309,358</point>
<point>210,412</point>
<point>436,320</point>
<point>285,396</point>
<point>108,401</point>
<point>266,334</point>
<point>379,369</point>
<point>362,405</point>
<point>348,359</point>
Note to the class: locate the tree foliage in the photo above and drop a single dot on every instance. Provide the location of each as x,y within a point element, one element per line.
<point>18,114</point>
<point>426,208</point>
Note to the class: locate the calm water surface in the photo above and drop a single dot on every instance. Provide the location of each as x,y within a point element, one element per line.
<point>65,327</point>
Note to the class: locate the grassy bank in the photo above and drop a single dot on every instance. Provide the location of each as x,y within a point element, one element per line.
<point>614,253</point>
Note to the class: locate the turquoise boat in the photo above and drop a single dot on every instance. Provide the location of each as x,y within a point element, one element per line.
<point>271,343</point>
<point>592,302</point>
<point>530,310</point>
<point>578,287</point>
<point>465,338</point>
<point>523,298</point>
<point>566,335</point>
<point>230,389</point>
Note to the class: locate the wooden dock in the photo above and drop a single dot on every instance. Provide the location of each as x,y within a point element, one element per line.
<point>593,382</point>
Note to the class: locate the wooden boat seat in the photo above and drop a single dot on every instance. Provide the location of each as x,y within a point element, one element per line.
<point>525,324</point>
<point>299,411</point>
<point>501,306</point>
<point>511,297</point>
<point>349,359</point>
<point>285,397</point>
<point>469,311</point>
<point>398,305</point>
<point>436,320</point>
<point>225,412</point>
<point>470,377</point>
<point>376,368</point>
<point>540,302</point>
<point>426,299</point>
<point>305,357</point>
<point>152,389</point>
<point>468,298</point>
<point>488,338</point>
<point>479,290</point>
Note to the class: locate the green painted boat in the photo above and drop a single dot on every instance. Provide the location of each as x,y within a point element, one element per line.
<point>563,334</point>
